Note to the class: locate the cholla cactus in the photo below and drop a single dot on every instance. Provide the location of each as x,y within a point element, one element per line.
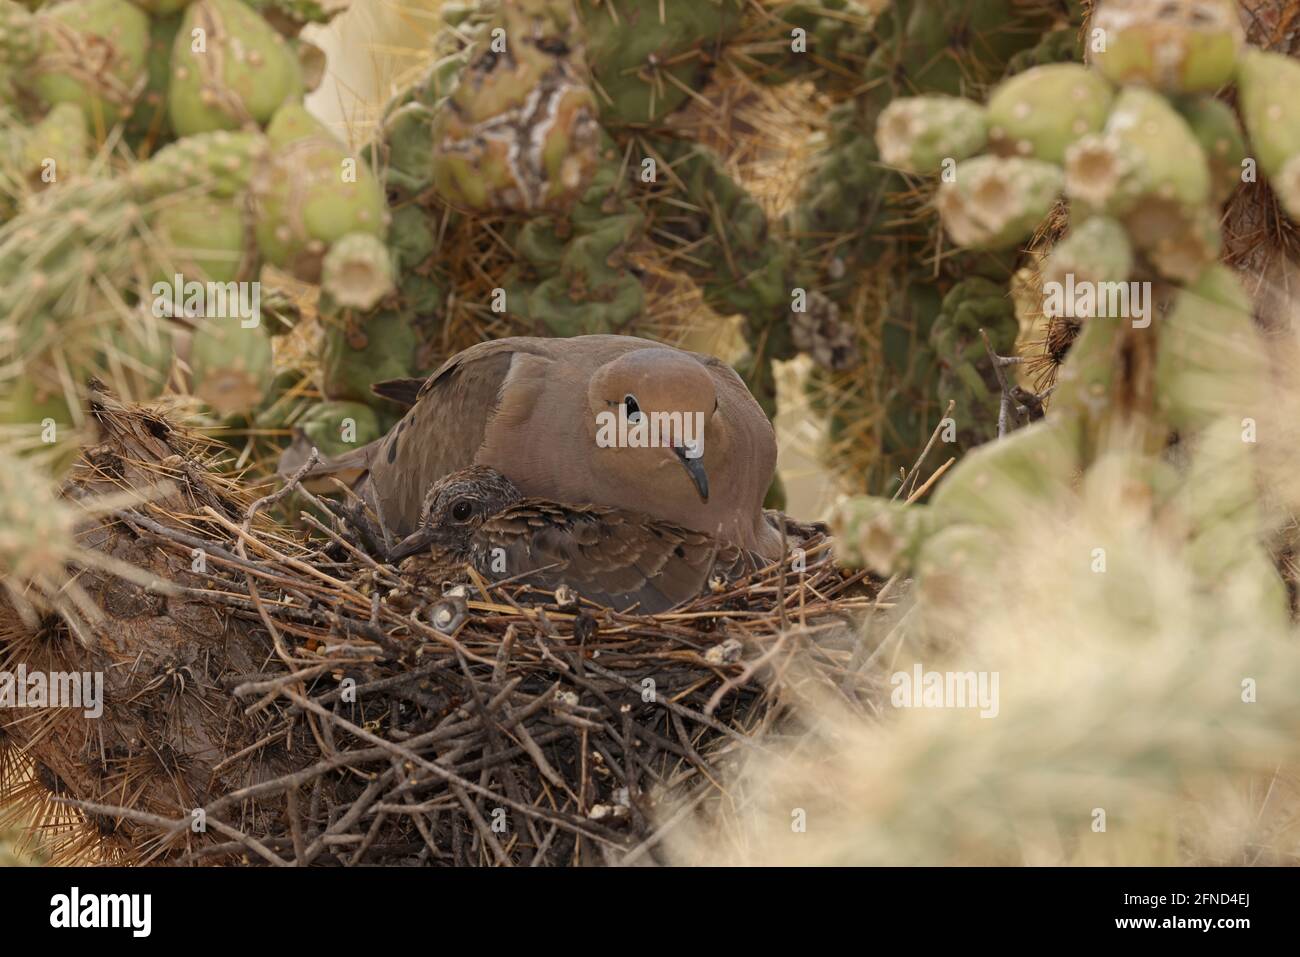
<point>1182,47</point>
<point>229,68</point>
<point>918,133</point>
<point>519,130</point>
<point>1144,174</point>
<point>76,35</point>
<point>317,193</point>
<point>1267,83</point>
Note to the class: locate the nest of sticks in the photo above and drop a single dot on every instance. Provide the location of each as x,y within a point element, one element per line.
<point>280,697</point>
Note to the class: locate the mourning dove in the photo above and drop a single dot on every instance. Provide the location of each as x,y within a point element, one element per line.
<point>531,408</point>
<point>615,557</point>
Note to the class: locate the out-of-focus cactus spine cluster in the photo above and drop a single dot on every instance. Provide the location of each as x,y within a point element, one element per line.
<point>1168,372</point>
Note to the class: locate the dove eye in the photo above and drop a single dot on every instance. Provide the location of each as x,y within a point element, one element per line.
<point>633,410</point>
<point>462,510</point>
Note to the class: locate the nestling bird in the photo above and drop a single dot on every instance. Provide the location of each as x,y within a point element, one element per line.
<point>530,408</point>
<point>612,556</point>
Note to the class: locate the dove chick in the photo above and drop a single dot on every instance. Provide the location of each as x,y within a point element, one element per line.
<point>615,557</point>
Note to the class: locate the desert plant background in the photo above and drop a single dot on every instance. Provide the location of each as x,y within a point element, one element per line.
<point>856,203</point>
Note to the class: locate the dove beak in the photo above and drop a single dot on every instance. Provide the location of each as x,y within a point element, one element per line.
<point>695,467</point>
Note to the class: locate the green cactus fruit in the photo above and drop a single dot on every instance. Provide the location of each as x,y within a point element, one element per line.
<point>230,365</point>
<point>1147,161</point>
<point>338,427</point>
<point>357,271</point>
<point>880,535</point>
<point>58,147</point>
<point>1180,46</point>
<point>230,69</point>
<point>20,37</point>
<point>519,131</point>
<point>203,241</point>
<point>1267,85</point>
<point>219,164</point>
<point>996,483</point>
<point>1103,173</point>
<point>647,56</point>
<point>996,202</point>
<point>354,358</point>
<point>149,120</point>
<point>1215,127</point>
<point>1173,165</point>
<point>1211,361</point>
<point>918,133</point>
<point>408,138</point>
<point>1040,112</point>
<point>1096,251</point>
<point>317,193</point>
<point>92,55</point>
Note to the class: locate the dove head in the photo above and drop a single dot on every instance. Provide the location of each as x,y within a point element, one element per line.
<point>669,402</point>
<point>454,508</point>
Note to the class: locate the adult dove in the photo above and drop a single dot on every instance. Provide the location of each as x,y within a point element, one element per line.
<point>615,557</point>
<point>532,409</point>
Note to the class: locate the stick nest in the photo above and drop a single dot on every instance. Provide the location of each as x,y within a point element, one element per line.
<point>281,697</point>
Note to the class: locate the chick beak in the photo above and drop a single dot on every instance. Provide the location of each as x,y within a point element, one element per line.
<point>694,466</point>
<point>418,541</point>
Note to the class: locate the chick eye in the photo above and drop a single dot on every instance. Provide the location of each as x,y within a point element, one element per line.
<point>462,510</point>
<point>633,410</point>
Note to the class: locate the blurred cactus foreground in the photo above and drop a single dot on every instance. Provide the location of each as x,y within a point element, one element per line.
<point>1037,260</point>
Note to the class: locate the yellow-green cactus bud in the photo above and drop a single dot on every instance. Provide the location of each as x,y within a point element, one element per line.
<point>1096,251</point>
<point>357,271</point>
<point>1215,127</point>
<point>1040,112</point>
<point>1179,46</point>
<point>917,133</point>
<point>878,534</point>
<point>994,202</point>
